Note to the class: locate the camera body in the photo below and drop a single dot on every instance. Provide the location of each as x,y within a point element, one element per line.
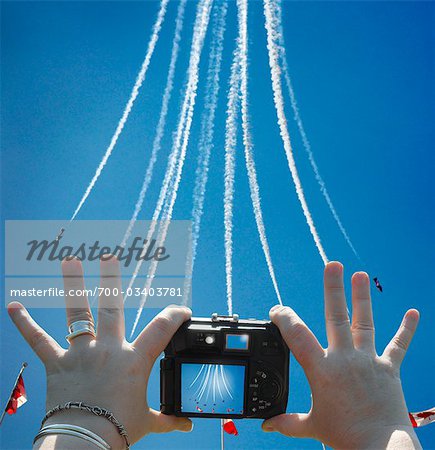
<point>224,367</point>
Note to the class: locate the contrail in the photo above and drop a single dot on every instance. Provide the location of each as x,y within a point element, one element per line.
<point>204,386</point>
<point>218,383</point>
<point>172,160</point>
<point>306,143</point>
<point>230,162</point>
<point>205,144</point>
<point>272,28</point>
<point>233,105</point>
<point>224,380</point>
<point>162,120</point>
<point>247,141</point>
<point>134,93</point>
<point>214,384</point>
<point>183,133</point>
<point>201,382</point>
<point>197,376</point>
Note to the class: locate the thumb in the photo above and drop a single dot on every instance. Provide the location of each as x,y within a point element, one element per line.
<point>156,335</point>
<point>41,342</point>
<point>161,423</point>
<point>295,425</point>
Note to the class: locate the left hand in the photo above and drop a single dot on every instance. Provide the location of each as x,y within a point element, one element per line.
<point>105,371</point>
<point>357,397</point>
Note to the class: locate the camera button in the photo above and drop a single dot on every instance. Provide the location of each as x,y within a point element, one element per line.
<point>270,347</point>
<point>209,339</point>
<point>269,391</point>
<point>261,374</point>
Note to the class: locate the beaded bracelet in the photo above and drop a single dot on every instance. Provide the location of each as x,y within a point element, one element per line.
<point>96,410</point>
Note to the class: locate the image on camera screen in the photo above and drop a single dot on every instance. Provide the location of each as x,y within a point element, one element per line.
<point>237,342</point>
<point>212,388</point>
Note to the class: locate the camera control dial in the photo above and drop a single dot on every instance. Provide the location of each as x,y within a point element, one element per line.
<point>264,388</point>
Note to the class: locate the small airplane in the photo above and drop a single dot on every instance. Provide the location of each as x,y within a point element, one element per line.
<point>378,284</point>
<point>425,414</point>
<point>60,234</point>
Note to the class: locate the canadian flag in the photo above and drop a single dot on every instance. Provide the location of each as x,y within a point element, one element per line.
<point>18,397</point>
<point>419,419</point>
<point>229,427</point>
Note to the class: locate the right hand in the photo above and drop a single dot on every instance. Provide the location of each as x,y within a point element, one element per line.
<point>106,371</point>
<point>357,397</point>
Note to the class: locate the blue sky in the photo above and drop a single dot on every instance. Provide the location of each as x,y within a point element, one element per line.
<point>363,74</point>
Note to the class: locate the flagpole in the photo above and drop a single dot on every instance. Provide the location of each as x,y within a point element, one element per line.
<point>222,435</point>
<point>23,366</point>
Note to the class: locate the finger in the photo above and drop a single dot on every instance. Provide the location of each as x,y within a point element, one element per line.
<point>363,329</point>
<point>156,335</point>
<point>77,306</point>
<point>297,425</point>
<point>111,304</point>
<point>161,423</point>
<point>396,349</point>
<point>299,338</point>
<point>336,315</point>
<point>41,342</point>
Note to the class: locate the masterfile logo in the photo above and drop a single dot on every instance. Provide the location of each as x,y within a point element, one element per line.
<point>34,251</point>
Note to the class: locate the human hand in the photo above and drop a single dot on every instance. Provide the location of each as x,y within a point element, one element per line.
<point>357,397</point>
<point>106,371</point>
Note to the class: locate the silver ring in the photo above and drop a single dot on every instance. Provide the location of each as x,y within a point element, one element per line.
<point>80,327</point>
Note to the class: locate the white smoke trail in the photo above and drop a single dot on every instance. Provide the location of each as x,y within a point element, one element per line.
<point>306,143</point>
<point>219,384</point>
<point>205,143</point>
<point>230,149</point>
<point>203,387</point>
<point>230,166</point>
<point>247,141</point>
<point>172,160</point>
<point>134,93</point>
<point>162,120</point>
<point>224,380</point>
<point>200,30</point>
<point>197,376</point>
<point>272,29</point>
<point>214,384</point>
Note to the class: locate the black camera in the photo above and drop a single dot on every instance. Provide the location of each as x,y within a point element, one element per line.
<point>225,367</point>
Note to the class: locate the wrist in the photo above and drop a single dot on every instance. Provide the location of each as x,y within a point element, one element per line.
<point>96,424</point>
<point>391,437</point>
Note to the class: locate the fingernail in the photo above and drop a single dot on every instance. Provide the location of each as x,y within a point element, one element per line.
<point>13,306</point>
<point>190,428</point>
<point>361,277</point>
<point>413,313</point>
<point>267,427</point>
<point>274,308</point>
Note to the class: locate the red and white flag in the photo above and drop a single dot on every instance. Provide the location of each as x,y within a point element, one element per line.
<point>229,427</point>
<point>419,419</point>
<point>18,397</point>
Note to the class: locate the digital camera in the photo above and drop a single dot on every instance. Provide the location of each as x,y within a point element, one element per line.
<point>225,367</point>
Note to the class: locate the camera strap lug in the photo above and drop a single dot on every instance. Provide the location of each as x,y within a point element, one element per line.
<point>215,317</point>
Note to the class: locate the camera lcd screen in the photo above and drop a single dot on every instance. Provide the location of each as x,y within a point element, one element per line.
<point>237,342</point>
<point>212,388</point>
